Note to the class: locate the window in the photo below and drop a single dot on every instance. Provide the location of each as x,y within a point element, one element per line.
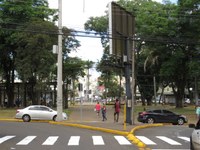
<point>44,108</point>
<point>167,112</point>
<point>157,111</point>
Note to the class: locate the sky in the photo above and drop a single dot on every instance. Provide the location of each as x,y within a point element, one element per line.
<point>74,14</point>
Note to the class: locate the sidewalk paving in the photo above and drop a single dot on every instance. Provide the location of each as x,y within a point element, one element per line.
<point>85,114</point>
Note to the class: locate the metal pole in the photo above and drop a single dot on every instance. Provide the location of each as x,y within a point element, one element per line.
<point>154,85</point>
<point>133,82</point>
<point>59,69</point>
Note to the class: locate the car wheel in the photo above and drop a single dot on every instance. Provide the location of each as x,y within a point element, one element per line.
<point>180,121</point>
<point>26,118</point>
<point>150,120</point>
<point>54,118</point>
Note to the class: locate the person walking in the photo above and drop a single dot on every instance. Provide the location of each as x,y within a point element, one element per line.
<point>103,111</point>
<point>198,112</point>
<point>97,108</point>
<point>117,110</point>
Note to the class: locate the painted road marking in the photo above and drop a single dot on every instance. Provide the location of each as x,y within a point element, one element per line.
<point>146,140</point>
<point>98,140</point>
<point>168,140</point>
<point>122,140</point>
<point>74,140</point>
<point>5,138</point>
<point>26,140</point>
<point>50,140</point>
<point>184,138</point>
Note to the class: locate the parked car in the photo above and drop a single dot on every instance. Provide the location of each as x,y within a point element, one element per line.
<point>161,116</point>
<point>195,138</point>
<point>37,112</point>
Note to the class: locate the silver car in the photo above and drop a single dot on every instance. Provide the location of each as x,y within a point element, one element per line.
<point>195,137</point>
<point>37,112</point>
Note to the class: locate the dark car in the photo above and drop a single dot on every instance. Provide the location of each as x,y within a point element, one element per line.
<point>161,116</point>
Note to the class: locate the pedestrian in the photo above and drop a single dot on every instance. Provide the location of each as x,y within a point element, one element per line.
<point>198,112</point>
<point>97,108</point>
<point>117,110</point>
<point>103,110</point>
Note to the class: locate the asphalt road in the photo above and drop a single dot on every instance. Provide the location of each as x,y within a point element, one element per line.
<point>166,137</point>
<point>44,136</point>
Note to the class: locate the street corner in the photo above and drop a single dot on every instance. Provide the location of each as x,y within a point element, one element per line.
<point>145,126</point>
<point>131,137</point>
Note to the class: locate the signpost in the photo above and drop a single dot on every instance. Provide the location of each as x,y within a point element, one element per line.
<point>121,29</point>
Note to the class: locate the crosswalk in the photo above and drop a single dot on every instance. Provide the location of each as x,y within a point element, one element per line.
<point>73,140</point>
<point>96,140</point>
<point>165,139</point>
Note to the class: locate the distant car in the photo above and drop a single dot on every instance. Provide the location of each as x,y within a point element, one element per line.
<point>161,116</point>
<point>187,101</point>
<point>195,138</point>
<point>37,112</point>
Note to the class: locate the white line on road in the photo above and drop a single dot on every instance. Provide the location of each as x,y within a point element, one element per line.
<point>122,140</point>
<point>146,140</point>
<point>50,140</point>
<point>74,140</point>
<point>184,138</point>
<point>26,140</point>
<point>98,140</point>
<point>168,140</point>
<point>5,138</point>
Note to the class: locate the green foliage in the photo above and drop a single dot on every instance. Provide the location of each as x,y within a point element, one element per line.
<point>171,36</point>
<point>27,34</point>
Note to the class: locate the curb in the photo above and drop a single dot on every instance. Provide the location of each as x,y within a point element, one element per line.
<point>134,139</point>
<point>91,128</point>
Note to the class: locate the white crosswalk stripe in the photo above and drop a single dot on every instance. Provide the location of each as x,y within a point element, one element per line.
<point>74,140</point>
<point>50,140</point>
<point>122,140</point>
<point>26,140</point>
<point>146,140</point>
<point>184,138</point>
<point>168,140</point>
<point>98,140</point>
<point>5,138</point>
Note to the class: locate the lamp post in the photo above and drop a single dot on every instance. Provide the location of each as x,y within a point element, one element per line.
<point>59,69</point>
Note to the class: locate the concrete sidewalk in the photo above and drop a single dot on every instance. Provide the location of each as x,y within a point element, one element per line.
<point>85,114</point>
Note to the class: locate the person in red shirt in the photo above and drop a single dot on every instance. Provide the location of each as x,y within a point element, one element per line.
<point>97,108</point>
<point>117,110</point>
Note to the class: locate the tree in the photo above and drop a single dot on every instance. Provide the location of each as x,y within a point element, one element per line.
<point>73,68</point>
<point>13,15</point>
<point>35,59</point>
<point>171,36</point>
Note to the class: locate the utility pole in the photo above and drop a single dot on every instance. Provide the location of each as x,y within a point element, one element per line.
<point>133,83</point>
<point>59,65</point>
